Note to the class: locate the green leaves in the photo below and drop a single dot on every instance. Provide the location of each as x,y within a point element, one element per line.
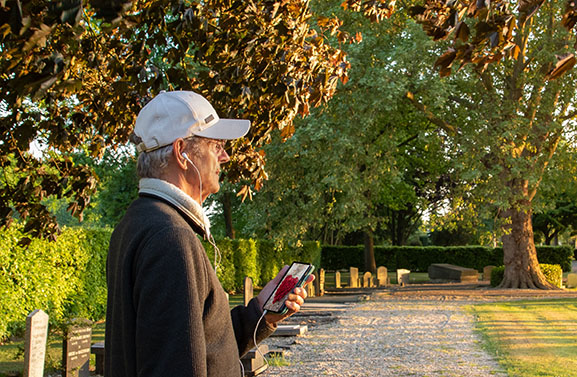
<point>75,74</point>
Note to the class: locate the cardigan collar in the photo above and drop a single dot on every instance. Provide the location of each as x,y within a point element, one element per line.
<point>178,198</point>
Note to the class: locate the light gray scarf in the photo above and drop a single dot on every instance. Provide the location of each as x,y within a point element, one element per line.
<point>178,198</point>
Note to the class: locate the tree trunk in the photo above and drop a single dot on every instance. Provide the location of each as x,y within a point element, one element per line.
<point>370,264</point>
<point>520,256</point>
<point>227,211</point>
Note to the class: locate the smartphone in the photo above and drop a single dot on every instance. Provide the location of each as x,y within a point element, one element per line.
<point>295,276</point>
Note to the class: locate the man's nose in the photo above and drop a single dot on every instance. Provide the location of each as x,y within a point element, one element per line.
<point>223,156</point>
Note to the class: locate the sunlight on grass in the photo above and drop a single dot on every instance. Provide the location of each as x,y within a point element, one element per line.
<point>277,361</point>
<point>531,338</point>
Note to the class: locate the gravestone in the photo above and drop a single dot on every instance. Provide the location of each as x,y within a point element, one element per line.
<point>403,277</point>
<point>253,362</point>
<point>310,288</point>
<point>382,277</point>
<point>289,330</point>
<point>338,279</point>
<point>367,280</point>
<point>98,350</point>
<point>444,271</point>
<point>35,343</point>
<point>248,290</point>
<point>76,349</point>
<point>320,286</point>
<point>354,278</point>
<point>487,272</point>
<point>572,280</point>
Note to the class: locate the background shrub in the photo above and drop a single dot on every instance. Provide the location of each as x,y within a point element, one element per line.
<point>419,258</point>
<point>65,278</point>
<point>258,259</point>
<point>553,273</point>
<point>497,275</point>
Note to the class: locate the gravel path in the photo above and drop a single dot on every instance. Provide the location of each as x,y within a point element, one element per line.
<point>392,336</point>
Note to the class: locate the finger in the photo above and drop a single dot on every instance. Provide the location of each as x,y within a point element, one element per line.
<point>296,298</point>
<point>293,306</point>
<point>310,279</point>
<point>301,292</point>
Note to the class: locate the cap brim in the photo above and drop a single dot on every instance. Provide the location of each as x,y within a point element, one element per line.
<point>225,129</point>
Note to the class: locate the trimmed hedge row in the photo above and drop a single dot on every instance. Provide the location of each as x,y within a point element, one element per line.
<point>67,278</point>
<point>261,260</point>
<point>416,258</point>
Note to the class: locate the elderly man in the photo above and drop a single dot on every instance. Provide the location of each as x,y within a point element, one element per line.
<point>167,313</point>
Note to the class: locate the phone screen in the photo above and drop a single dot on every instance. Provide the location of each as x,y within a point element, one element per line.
<point>294,277</point>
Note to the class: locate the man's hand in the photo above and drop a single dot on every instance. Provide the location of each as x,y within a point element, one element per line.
<point>294,300</point>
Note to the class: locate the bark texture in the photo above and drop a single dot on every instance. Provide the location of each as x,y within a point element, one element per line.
<point>520,255</point>
<point>370,264</point>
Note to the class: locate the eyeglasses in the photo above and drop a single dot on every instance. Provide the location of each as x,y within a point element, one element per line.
<point>219,145</point>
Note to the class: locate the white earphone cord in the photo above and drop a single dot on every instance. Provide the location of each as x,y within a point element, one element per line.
<point>217,254</point>
<point>254,338</point>
<point>218,257</point>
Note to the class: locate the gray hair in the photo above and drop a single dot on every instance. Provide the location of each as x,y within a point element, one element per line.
<point>152,164</point>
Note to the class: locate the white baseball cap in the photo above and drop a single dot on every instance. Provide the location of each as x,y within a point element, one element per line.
<point>182,114</point>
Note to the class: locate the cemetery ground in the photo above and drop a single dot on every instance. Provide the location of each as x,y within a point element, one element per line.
<point>421,329</point>
<point>439,330</point>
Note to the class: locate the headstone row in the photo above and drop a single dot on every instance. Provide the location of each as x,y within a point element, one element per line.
<point>75,348</point>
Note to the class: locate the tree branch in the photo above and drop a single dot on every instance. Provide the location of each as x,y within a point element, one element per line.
<point>430,116</point>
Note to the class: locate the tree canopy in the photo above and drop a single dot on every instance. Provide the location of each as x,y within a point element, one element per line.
<point>367,161</point>
<point>512,119</point>
<point>76,73</point>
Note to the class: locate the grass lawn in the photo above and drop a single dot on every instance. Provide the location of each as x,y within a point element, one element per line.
<point>531,338</point>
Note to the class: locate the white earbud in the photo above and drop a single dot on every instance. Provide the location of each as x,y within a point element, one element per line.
<point>185,156</point>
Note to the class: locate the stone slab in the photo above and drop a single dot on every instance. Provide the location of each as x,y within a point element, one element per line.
<point>98,350</point>
<point>254,353</point>
<point>403,276</point>
<point>256,372</point>
<point>487,272</point>
<point>354,277</point>
<point>35,343</point>
<point>451,272</point>
<point>382,276</point>
<point>572,280</point>
<point>367,280</point>
<point>76,350</point>
<point>290,330</point>
<point>248,291</point>
<point>252,364</point>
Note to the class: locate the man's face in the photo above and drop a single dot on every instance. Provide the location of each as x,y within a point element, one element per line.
<point>210,155</point>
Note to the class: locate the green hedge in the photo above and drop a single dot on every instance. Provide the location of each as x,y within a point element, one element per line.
<point>65,278</point>
<point>258,259</point>
<point>418,258</point>
<point>552,272</point>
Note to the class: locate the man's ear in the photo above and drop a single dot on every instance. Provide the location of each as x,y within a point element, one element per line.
<point>177,150</point>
